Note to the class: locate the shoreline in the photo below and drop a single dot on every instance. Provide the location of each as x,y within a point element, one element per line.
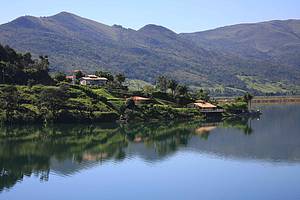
<point>264,99</point>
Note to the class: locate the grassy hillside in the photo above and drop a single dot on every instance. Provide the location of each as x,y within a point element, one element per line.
<point>73,103</point>
<point>65,103</point>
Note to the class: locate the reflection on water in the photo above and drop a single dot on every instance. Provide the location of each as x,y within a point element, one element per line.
<point>66,150</point>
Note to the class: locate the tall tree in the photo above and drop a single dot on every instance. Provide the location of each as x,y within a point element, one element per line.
<point>107,75</point>
<point>162,83</point>
<point>43,64</point>
<point>120,78</point>
<point>172,85</point>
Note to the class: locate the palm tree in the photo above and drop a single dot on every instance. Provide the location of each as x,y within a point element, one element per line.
<point>172,85</point>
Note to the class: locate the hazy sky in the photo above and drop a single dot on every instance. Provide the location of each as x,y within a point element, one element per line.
<point>178,15</point>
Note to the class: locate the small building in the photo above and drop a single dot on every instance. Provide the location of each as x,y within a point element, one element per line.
<point>93,80</point>
<point>205,107</point>
<point>202,105</point>
<point>70,77</point>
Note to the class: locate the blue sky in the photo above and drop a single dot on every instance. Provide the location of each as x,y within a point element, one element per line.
<point>178,15</point>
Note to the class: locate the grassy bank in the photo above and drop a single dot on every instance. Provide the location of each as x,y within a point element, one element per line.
<point>64,103</point>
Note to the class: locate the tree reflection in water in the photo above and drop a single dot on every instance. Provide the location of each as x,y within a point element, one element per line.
<point>27,151</point>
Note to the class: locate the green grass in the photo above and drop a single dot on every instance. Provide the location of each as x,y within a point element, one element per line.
<point>102,92</point>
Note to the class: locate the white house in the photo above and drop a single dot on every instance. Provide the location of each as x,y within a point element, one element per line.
<point>93,80</point>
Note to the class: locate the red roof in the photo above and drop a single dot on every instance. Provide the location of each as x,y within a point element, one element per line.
<point>70,77</point>
<point>137,98</point>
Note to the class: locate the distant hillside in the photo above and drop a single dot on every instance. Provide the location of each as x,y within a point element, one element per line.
<point>226,60</point>
<point>274,40</point>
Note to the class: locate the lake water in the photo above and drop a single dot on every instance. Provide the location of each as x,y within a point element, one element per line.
<point>236,159</point>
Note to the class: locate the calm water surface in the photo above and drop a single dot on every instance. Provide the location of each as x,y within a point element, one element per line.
<point>236,159</point>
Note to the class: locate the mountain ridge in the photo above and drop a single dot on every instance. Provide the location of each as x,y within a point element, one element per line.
<point>69,14</point>
<point>242,32</point>
<point>210,58</point>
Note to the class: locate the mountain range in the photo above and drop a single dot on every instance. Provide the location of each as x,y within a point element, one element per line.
<point>259,57</point>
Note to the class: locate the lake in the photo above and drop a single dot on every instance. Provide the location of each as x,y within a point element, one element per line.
<point>234,159</point>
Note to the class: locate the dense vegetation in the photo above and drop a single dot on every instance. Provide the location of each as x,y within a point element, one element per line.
<point>17,68</point>
<point>223,65</point>
<point>26,100</point>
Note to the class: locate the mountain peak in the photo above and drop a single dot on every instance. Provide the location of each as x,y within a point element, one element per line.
<point>153,28</point>
<point>26,22</point>
<point>64,14</point>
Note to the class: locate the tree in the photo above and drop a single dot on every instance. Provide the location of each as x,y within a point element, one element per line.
<point>120,78</point>
<point>202,95</point>
<point>107,75</point>
<point>181,89</point>
<point>9,100</point>
<point>60,77</point>
<point>162,83</point>
<point>43,64</point>
<point>248,98</point>
<point>18,68</point>
<point>27,59</point>
<point>172,85</point>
